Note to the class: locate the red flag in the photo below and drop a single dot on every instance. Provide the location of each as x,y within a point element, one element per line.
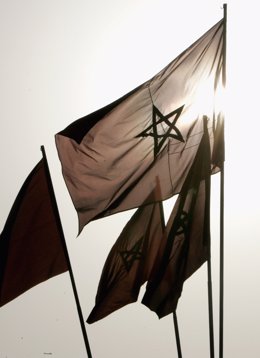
<point>185,245</point>
<point>110,158</point>
<point>31,249</point>
<point>130,262</point>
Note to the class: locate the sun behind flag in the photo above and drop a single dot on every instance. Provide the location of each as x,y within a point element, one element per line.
<point>31,249</point>
<point>110,159</point>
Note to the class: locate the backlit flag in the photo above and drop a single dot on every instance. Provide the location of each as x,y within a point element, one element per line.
<point>110,158</point>
<point>130,261</point>
<point>185,245</point>
<point>31,249</point>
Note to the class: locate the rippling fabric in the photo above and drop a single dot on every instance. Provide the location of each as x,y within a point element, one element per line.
<point>110,158</point>
<point>31,249</point>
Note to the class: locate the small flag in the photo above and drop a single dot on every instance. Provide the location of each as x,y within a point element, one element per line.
<point>31,249</point>
<point>130,261</point>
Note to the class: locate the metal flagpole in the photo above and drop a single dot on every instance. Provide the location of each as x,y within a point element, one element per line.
<point>221,279</point>
<point>59,225</point>
<point>221,264</point>
<point>207,231</point>
<point>177,336</point>
<point>210,306</point>
<point>175,321</point>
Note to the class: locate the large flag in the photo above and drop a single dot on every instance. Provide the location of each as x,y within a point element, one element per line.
<point>130,261</point>
<point>186,243</point>
<point>110,158</point>
<point>31,249</point>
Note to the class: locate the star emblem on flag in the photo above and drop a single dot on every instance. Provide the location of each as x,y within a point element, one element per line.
<point>129,256</point>
<point>162,128</point>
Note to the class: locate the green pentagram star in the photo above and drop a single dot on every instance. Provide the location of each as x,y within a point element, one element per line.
<point>162,128</point>
<point>135,253</point>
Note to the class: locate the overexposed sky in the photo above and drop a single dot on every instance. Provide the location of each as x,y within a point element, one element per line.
<point>62,59</point>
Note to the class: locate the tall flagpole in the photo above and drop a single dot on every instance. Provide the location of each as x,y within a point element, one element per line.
<point>59,225</point>
<point>207,231</point>
<point>210,307</point>
<point>221,263</point>
<point>175,321</point>
<point>177,335</point>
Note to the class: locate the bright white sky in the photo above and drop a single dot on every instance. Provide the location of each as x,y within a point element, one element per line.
<point>63,59</point>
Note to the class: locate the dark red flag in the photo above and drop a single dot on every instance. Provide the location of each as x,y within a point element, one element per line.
<point>31,249</point>
<point>110,159</point>
<point>130,261</point>
<point>185,245</point>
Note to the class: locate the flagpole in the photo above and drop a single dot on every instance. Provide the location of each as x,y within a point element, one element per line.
<point>177,336</point>
<point>175,321</point>
<point>207,232</point>
<point>221,264</point>
<point>210,307</point>
<point>59,225</point>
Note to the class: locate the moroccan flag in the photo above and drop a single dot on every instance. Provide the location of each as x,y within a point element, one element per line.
<point>110,158</point>
<point>185,245</point>
<point>31,249</point>
<point>130,261</point>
